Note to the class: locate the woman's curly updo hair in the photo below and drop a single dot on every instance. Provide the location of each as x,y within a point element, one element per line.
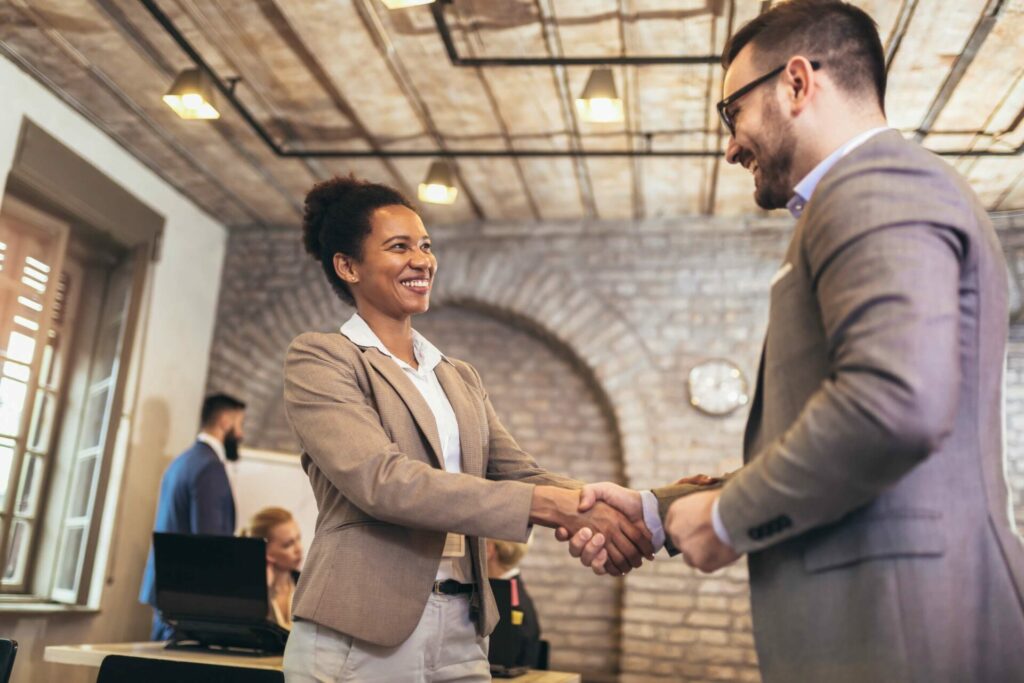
<point>337,221</point>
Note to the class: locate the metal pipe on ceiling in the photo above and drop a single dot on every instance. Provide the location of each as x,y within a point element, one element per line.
<point>228,91</point>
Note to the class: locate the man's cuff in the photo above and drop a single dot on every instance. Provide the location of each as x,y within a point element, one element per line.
<point>716,522</point>
<point>652,519</point>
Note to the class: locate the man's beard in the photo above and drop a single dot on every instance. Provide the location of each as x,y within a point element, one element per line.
<point>775,165</point>
<point>231,442</point>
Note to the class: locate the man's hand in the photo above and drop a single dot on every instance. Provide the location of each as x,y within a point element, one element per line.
<point>588,546</point>
<point>689,525</point>
<point>625,541</point>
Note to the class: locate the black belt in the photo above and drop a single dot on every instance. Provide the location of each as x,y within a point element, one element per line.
<point>452,587</point>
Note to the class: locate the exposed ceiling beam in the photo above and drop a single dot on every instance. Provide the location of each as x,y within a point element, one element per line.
<point>371,20</point>
<point>716,164</point>
<point>907,9</point>
<point>227,27</point>
<point>631,91</point>
<point>555,59</point>
<point>276,18</point>
<point>507,139</point>
<point>107,84</point>
<point>554,45</point>
<point>988,19</point>
<point>367,12</point>
<point>147,50</point>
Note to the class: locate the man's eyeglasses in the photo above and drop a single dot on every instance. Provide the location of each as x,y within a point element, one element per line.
<point>723,106</point>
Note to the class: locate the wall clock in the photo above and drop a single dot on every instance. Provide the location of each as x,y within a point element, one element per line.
<point>717,386</point>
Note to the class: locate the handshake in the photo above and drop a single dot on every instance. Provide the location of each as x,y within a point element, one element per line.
<point>605,526</point>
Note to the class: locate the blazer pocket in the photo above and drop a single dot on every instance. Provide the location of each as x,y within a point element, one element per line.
<point>908,533</point>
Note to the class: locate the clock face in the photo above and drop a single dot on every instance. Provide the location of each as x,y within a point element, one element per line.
<point>717,387</point>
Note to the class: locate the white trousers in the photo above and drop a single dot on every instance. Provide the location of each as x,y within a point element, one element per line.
<point>444,647</point>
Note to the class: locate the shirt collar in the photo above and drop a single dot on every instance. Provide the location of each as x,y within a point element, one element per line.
<point>805,188</point>
<point>510,574</point>
<point>213,443</point>
<point>359,333</point>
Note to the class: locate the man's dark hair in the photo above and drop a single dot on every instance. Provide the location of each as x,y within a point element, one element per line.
<point>214,405</point>
<point>842,37</point>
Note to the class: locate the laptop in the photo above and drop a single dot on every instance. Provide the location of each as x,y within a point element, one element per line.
<point>213,591</point>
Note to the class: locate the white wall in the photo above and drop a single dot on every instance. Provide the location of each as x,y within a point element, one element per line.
<point>171,356</point>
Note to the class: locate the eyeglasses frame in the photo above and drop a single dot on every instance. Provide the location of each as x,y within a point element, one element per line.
<point>730,125</point>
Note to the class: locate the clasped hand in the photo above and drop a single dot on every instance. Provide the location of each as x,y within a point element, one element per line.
<point>626,541</point>
<point>688,524</point>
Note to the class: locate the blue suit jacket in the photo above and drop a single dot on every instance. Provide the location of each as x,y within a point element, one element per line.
<point>195,498</point>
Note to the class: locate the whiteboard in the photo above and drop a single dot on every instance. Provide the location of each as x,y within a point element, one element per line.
<point>260,478</point>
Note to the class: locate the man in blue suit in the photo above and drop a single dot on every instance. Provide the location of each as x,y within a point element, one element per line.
<point>195,494</point>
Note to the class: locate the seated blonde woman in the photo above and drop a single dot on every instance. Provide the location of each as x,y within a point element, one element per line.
<point>284,558</point>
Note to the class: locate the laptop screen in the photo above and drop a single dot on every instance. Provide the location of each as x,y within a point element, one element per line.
<point>210,577</point>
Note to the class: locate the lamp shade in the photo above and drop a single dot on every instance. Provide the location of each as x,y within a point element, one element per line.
<point>599,102</point>
<point>399,4</point>
<point>439,185</point>
<point>191,96</point>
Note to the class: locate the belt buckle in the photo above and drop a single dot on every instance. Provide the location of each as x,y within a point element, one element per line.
<point>436,590</point>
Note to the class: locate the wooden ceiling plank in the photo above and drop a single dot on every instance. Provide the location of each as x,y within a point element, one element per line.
<point>140,86</point>
<point>252,40</point>
<point>588,28</point>
<point>714,77</point>
<point>962,63</point>
<point>632,108</point>
<point>159,158</point>
<point>525,100</point>
<point>128,20</point>
<point>560,76</point>
<point>985,81</point>
<point>119,115</point>
<point>991,178</point>
<point>674,186</point>
<point>929,47</point>
<point>337,31</point>
<point>1013,197</point>
<point>295,49</point>
<point>419,92</point>
<point>258,81</point>
<point>500,119</point>
<point>484,28</point>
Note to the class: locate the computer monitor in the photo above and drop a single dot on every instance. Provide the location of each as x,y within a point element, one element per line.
<point>213,591</point>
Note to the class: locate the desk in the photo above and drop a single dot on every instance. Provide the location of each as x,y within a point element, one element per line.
<point>93,655</point>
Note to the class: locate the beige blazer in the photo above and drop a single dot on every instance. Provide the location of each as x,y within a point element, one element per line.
<point>373,457</point>
<point>874,505</point>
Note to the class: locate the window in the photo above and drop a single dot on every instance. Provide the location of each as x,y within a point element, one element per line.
<point>67,303</point>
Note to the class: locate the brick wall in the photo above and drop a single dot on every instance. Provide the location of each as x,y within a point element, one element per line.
<point>624,308</point>
<point>560,418</point>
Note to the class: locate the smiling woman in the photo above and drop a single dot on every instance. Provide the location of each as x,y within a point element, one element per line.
<point>410,466</point>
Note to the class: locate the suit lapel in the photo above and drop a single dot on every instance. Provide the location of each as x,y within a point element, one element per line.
<point>413,399</point>
<point>466,415</point>
<point>753,428</point>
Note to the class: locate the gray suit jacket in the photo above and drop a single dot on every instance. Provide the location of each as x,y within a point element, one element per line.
<point>373,456</point>
<point>873,504</point>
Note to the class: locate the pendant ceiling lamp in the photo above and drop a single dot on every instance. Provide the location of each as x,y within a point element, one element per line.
<point>439,185</point>
<point>191,96</point>
<point>599,102</point>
